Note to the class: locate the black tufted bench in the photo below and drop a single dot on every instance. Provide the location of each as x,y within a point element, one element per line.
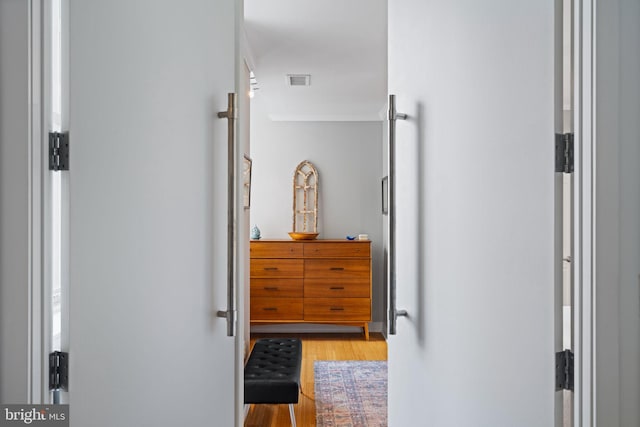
<point>272,373</point>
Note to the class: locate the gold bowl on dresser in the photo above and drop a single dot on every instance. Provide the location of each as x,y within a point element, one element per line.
<point>303,236</point>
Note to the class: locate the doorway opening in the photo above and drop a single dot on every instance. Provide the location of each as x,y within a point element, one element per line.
<point>317,81</point>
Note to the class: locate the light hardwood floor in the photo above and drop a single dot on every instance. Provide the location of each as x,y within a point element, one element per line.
<point>315,347</point>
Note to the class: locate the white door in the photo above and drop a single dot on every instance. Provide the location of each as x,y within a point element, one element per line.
<point>148,213</point>
<point>475,213</point>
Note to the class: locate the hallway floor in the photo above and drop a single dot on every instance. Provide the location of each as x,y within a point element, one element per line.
<point>315,347</point>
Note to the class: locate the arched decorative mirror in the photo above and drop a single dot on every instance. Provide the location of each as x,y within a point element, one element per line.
<point>305,202</point>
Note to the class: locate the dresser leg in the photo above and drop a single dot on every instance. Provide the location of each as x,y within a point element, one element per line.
<point>365,329</point>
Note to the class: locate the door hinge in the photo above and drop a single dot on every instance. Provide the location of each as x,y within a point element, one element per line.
<point>564,152</point>
<point>58,370</point>
<point>59,151</point>
<point>564,370</point>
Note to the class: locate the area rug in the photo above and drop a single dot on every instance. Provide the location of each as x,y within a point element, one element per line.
<point>351,393</point>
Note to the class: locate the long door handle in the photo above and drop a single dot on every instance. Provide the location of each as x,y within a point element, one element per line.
<point>231,114</point>
<point>394,313</point>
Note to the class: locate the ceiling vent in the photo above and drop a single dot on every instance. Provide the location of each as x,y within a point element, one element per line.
<point>298,79</point>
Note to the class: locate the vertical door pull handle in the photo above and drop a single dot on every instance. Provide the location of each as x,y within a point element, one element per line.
<point>394,313</point>
<point>231,114</point>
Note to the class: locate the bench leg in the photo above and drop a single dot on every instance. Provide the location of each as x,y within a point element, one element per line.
<point>365,329</point>
<point>293,415</point>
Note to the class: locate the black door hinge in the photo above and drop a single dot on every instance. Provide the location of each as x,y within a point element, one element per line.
<point>564,152</point>
<point>58,370</point>
<point>59,151</point>
<point>564,370</point>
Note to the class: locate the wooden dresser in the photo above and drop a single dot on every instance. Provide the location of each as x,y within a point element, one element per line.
<point>313,281</point>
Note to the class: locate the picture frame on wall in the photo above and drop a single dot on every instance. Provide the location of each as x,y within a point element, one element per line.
<point>385,195</point>
<point>246,176</point>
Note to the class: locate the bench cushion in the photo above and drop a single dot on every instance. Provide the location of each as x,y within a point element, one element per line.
<point>272,373</point>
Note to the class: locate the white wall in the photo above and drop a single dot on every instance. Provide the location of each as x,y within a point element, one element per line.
<point>618,213</point>
<point>348,156</point>
<point>13,201</point>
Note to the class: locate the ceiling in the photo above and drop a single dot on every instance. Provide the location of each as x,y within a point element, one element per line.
<point>342,44</point>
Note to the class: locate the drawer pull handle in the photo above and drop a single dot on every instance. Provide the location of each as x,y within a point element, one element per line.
<point>337,288</point>
<point>270,309</point>
<point>337,268</point>
<point>337,309</point>
<point>271,268</point>
<point>270,288</point>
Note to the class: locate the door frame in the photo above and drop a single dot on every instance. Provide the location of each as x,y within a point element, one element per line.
<point>38,266</point>
<point>584,201</point>
<point>40,197</point>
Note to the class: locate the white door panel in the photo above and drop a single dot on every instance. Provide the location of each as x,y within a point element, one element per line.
<point>475,213</point>
<point>148,212</point>
<point>14,201</point>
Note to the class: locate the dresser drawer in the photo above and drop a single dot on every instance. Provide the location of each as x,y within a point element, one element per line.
<point>264,267</point>
<point>337,309</point>
<point>280,288</point>
<point>276,308</point>
<point>336,288</point>
<point>275,249</point>
<point>338,249</point>
<point>337,268</point>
